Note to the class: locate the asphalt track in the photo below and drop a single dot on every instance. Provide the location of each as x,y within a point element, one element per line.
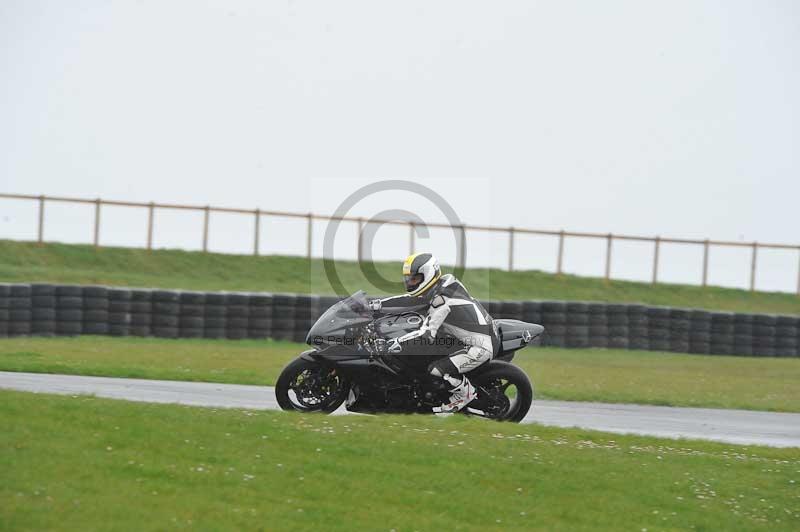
<point>730,426</point>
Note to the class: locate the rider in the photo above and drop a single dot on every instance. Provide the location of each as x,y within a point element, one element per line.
<point>451,310</point>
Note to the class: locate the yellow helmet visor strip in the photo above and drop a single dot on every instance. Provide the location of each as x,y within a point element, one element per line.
<point>407,264</point>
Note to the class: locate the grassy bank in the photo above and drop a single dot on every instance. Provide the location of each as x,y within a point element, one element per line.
<point>581,375</point>
<point>25,262</point>
<point>87,464</point>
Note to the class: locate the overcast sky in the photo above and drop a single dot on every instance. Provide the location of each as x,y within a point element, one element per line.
<point>671,118</point>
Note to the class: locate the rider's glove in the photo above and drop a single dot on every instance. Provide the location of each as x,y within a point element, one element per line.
<point>393,346</point>
<point>375,304</point>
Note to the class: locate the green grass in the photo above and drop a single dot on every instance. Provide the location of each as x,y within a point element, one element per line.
<point>26,262</point>
<point>581,375</point>
<point>226,361</point>
<point>82,463</point>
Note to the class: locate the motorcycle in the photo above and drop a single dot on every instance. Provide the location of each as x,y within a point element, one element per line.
<point>349,363</point>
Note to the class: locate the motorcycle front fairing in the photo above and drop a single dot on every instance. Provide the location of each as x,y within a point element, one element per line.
<point>336,325</point>
<point>396,325</point>
<point>339,335</point>
<point>340,321</point>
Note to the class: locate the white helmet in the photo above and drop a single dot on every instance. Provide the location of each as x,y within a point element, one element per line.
<point>420,272</point>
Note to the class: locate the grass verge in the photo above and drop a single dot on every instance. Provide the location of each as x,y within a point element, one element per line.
<point>610,375</point>
<point>68,263</point>
<point>84,463</point>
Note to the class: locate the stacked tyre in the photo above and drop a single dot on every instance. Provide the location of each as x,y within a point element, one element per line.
<point>554,320</point>
<point>141,310</point>
<point>95,310</point>
<point>215,312</point>
<point>119,311</point>
<point>743,334</point>
<point>19,310</point>
<point>638,327</point>
<point>5,294</point>
<point>283,306</point>
<point>531,312</point>
<point>43,310</point>
<point>305,314</point>
<point>192,314</point>
<point>618,331</point>
<point>658,328</point>
<point>511,310</point>
<point>166,310</point>
<point>786,336</point>
<point>237,311</point>
<point>69,310</point>
<point>494,308</point>
<point>722,333</point>
<point>700,332</point>
<point>577,334</point>
<point>598,324</point>
<point>679,330</point>
<point>764,330</point>
<point>259,324</point>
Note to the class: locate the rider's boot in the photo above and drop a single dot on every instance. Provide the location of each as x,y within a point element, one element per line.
<point>460,395</point>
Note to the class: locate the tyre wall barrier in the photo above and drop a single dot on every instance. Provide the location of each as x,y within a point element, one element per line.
<point>41,309</point>
<point>655,328</point>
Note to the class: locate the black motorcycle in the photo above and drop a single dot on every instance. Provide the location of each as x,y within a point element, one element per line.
<point>350,362</point>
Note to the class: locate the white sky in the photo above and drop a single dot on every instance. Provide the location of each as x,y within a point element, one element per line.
<point>671,118</point>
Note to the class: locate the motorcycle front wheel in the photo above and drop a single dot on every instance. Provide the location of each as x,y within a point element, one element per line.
<point>307,386</point>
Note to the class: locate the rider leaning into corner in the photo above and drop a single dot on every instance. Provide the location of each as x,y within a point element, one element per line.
<point>452,311</point>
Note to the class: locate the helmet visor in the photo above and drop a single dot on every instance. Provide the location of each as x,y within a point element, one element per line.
<point>412,282</point>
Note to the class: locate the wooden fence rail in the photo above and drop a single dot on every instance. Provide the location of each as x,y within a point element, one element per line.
<point>512,232</point>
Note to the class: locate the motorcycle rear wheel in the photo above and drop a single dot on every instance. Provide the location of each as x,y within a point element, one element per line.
<point>495,397</point>
<point>306,386</point>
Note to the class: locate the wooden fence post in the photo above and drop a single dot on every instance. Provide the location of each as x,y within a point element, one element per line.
<point>360,230</point>
<point>97,203</point>
<point>798,272</point>
<point>753,267</point>
<point>257,232</point>
<point>511,249</point>
<point>609,241</point>
<point>461,260</point>
<point>560,262</point>
<point>309,235</point>
<point>705,262</point>
<point>41,219</point>
<point>150,213</point>
<point>656,249</point>
<point>206,213</point>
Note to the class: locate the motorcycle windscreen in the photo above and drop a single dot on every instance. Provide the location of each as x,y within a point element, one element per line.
<point>348,312</point>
